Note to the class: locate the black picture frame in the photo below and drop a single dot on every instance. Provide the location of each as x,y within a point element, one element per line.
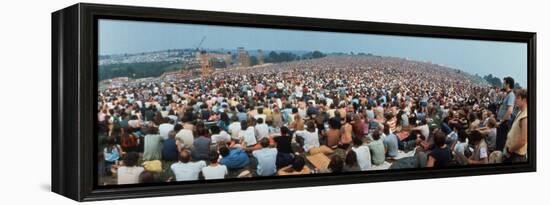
<point>74,93</point>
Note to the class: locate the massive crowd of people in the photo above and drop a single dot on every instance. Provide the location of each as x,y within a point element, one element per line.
<point>329,115</point>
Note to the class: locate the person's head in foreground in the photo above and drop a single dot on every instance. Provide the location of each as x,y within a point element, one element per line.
<point>214,156</point>
<point>508,83</point>
<point>147,177</point>
<point>439,139</point>
<point>475,137</point>
<point>336,164</point>
<point>522,98</point>
<point>298,163</point>
<point>264,142</point>
<point>285,131</point>
<point>224,151</point>
<point>185,156</point>
<point>357,142</point>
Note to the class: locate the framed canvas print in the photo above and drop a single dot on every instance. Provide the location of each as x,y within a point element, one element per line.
<point>157,101</point>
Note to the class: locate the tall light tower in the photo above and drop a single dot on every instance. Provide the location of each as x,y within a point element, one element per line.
<point>227,59</point>
<point>260,57</point>
<point>243,58</point>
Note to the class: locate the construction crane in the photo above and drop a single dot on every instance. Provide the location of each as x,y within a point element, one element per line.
<point>200,43</point>
<point>203,58</point>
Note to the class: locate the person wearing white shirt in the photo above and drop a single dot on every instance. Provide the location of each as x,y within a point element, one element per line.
<point>261,129</point>
<point>219,135</point>
<point>363,154</point>
<point>185,170</point>
<point>235,127</point>
<point>260,114</point>
<point>310,136</point>
<point>129,172</point>
<point>184,136</point>
<point>214,170</point>
<point>247,134</point>
<point>165,128</point>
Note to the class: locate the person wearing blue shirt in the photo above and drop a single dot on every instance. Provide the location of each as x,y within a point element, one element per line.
<point>234,158</point>
<point>111,154</point>
<point>287,114</point>
<point>504,114</point>
<point>382,100</point>
<point>169,148</point>
<point>242,116</point>
<point>266,158</point>
<point>390,142</point>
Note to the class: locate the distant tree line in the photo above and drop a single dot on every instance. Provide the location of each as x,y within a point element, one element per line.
<point>279,57</point>
<point>495,81</point>
<point>137,70</point>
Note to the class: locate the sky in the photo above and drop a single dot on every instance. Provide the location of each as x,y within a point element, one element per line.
<point>473,56</point>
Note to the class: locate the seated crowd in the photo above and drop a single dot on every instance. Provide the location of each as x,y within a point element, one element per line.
<point>285,120</point>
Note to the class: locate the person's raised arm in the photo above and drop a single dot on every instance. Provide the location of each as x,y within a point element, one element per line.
<point>484,130</point>
<point>508,113</point>
<point>430,162</point>
<point>120,150</point>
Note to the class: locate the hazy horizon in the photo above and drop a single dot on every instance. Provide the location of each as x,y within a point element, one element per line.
<point>473,56</point>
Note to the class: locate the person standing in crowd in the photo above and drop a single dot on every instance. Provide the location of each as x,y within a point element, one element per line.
<point>516,142</point>
<point>505,110</point>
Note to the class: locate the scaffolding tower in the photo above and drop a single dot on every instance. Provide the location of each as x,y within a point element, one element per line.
<point>244,60</point>
<point>260,57</point>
